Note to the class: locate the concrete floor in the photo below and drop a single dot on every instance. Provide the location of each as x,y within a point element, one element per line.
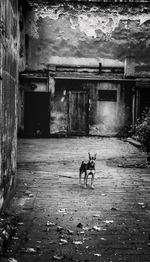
<point>61,220</point>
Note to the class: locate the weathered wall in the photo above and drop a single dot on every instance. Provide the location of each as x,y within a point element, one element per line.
<point>8,96</point>
<point>87,34</point>
<point>106,118</point>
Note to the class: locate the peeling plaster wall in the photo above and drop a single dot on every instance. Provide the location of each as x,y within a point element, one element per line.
<point>8,91</point>
<point>88,34</point>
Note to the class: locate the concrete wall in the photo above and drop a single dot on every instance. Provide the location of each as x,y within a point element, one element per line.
<point>9,47</point>
<point>87,34</point>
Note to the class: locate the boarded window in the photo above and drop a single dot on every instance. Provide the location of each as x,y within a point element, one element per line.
<point>107,95</point>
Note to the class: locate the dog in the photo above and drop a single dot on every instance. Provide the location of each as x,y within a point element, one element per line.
<point>88,169</point>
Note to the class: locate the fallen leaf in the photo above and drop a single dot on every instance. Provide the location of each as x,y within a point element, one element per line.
<point>97,255</point>
<point>97,228</point>
<point>15,238</point>
<point>82,232</point>
<point>109,221</point>
<point>59,228</point>
<point>50,224</point>
<point>143,205</point>
<point>58,257</point>
<point>70,231</point>
<point>85,228</point>
<point>63,241</point>
<point>31,250</point>
<point>30,195</point>
<point>11,259</point>
<point>62,210</point>
<point>77,242</point>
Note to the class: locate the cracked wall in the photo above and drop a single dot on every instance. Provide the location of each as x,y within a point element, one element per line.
<point>85,34</point>
<point>8,96</point>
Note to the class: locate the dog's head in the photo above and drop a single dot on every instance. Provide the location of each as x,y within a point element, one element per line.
<point>92,160</point>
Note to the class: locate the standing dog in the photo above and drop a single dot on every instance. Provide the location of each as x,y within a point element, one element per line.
<point>88,169</point>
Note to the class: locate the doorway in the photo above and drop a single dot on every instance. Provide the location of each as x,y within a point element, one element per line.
<point>36,114</point>
<point>78,105</point>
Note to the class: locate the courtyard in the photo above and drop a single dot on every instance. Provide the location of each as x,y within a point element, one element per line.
<point>61,220</point>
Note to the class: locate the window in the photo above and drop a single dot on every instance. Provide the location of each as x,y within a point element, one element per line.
<point>107,95</point>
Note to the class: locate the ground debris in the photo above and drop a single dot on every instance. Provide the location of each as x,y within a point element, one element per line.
<point>31,250</point>
<point>79,225</point>
<point>8,224</point>
<point>59,228</point>
<point>11,259</point>
<point>97,228</point>
<point>114,209</point>
<point>63,241</point>
<point>77,242</point>
<point>109,221</point>
<point>70,232</point>
<point>20,223</point>
<point>96,215</point>
<point>143,205</point>
<point>50,224</point>
<point>62,210</point>
<point>57,257</point>
<point>28,193</point>
<point>97,255</point>
<point>86,228</point>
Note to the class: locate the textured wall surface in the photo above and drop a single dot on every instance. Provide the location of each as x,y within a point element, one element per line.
<point>86,34</point>
<point>8,91</point>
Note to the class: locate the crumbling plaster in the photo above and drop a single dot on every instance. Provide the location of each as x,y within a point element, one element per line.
<point>88,31</point>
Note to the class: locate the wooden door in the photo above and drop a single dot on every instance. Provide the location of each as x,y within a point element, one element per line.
<point>78,113</point>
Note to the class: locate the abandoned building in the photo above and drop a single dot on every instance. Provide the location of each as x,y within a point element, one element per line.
<point>71,68</point>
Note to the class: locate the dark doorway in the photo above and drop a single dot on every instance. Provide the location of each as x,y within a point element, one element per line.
<point>37,115</point>
<point>78,112</point>
<point>144,99</point>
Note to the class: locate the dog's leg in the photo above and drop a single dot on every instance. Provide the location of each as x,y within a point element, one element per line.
<point>85,179</point>
<point>80,174</point>
<point>92,180</point>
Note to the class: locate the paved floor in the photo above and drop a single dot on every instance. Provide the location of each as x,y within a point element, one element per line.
<point>61,220</point>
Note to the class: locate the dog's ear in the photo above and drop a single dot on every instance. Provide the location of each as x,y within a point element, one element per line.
<point>89,155</point>
<point>95,156</point>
